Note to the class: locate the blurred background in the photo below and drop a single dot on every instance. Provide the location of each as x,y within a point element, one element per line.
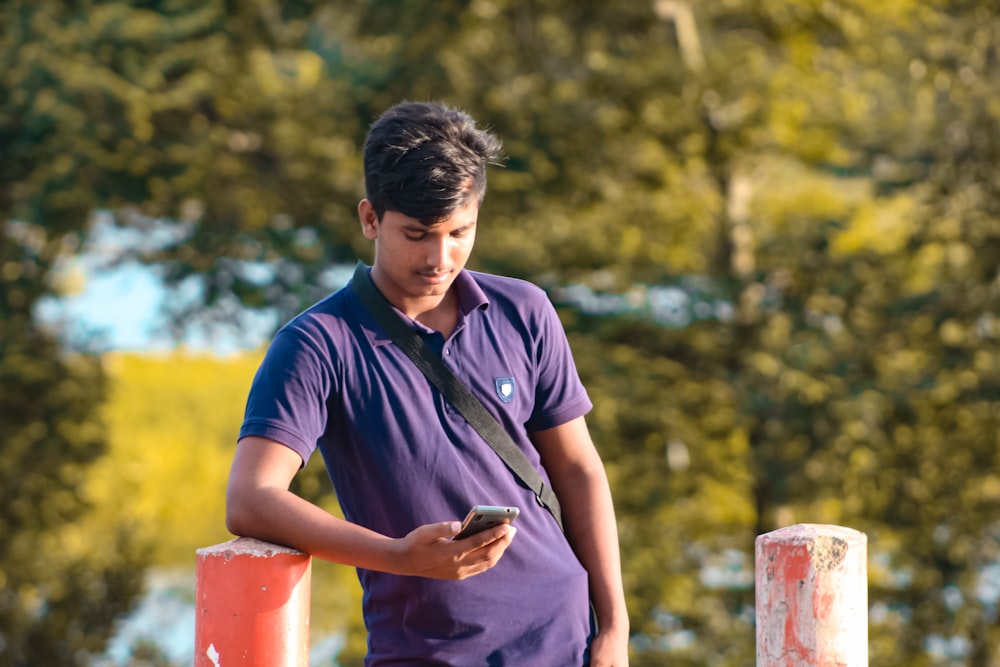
<point>772,229</point>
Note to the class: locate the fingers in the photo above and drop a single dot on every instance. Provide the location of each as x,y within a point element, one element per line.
<point>447,530</point>
<point>487,538</point>
<point>505,532</point>
<point>482,551</point>
<point>489,544</point>
<point>430,551</point>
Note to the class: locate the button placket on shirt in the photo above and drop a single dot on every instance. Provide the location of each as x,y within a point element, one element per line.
<point>450,360</point>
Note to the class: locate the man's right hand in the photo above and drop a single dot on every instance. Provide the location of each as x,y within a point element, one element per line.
<point>430,551</point>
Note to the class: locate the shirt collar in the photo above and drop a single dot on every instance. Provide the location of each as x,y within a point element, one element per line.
<point>471,298</point>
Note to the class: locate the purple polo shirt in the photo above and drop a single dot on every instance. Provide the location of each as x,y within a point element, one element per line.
<point>399,456</point>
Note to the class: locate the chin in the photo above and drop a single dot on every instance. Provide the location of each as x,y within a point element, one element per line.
<point>437,290</point>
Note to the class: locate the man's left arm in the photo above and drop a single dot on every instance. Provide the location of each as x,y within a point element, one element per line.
<point>579,480</point>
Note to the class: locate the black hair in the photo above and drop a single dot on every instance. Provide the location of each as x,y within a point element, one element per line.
<point>426,161</point>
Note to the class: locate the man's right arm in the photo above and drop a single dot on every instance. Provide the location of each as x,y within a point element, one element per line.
<point>259,504</point>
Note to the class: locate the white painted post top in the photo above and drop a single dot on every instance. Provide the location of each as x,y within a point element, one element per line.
<point>806,532</point>
<point>247,546</point>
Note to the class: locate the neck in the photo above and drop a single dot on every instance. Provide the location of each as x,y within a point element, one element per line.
<point>442,317</point>
<point>435,311</point>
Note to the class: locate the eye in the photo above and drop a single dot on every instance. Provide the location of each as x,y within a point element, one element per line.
<point>414,236</point>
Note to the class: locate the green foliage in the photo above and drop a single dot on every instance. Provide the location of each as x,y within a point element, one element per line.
<point>825,171</point>
<point>860,363</point>
<point>172,423</point>
<point>58,596</point>
<point>175,114</point>
<point>147,654</point>
<point>680,467</point>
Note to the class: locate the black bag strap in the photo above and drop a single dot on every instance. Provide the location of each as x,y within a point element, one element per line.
<point>442,377</point>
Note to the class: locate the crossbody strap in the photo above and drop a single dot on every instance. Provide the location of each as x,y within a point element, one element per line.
<point>442,377</point>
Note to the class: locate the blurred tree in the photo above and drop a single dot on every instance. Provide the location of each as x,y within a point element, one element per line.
<point>60,589</point>
<point>813,182</point>
<point>174,113</point>
<point>146,654</point>
<point>844,203</point>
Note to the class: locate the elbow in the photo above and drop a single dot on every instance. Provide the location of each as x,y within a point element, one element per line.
<point>234,522</point>
<point>239,515</point>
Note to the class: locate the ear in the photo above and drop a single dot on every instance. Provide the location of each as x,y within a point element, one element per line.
<point>369,220</point>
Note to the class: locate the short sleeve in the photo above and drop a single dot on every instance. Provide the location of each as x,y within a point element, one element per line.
<point>559,394</point>
<point>289,395</point>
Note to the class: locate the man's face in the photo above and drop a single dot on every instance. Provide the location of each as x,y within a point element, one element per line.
<point>415,264</point>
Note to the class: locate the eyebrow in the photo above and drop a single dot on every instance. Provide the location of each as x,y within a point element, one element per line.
<point>420,228</point>
<point>464,227</point>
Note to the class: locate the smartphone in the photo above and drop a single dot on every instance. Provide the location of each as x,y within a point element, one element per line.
<point>482,517</point>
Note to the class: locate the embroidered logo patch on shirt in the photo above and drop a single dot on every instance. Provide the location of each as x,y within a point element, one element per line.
<point>505,389</point>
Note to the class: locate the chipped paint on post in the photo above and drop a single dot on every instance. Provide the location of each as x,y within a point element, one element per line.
<point>812,597</point>
<point>213,655</point>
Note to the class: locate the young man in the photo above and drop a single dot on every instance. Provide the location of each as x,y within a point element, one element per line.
<point>406,465</point>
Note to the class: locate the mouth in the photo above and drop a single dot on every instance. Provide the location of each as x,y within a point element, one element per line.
<point>434,277</point>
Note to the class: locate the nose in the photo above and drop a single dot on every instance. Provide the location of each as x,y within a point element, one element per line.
<point>437,250</point>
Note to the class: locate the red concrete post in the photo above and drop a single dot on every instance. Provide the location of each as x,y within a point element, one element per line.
<point>812,597</point>
<point>252,605</point>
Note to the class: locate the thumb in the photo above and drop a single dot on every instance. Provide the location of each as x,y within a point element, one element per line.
<point>446,529</point>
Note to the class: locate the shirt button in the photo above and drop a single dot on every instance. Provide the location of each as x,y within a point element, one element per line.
<point>448,352</point>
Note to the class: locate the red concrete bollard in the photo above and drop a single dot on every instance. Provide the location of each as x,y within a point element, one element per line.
<point>812,597</point>
<point>252,605</point>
